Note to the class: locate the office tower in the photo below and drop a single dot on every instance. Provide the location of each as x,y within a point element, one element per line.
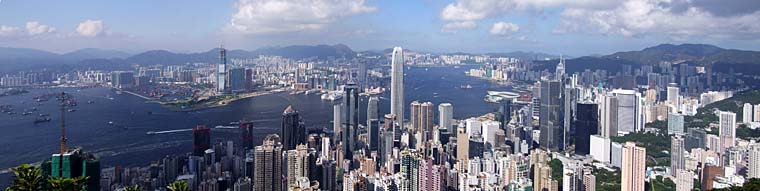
<point>373,134</point>
<point>586,124</point>
<point>201,140</point>
<point>675,123</point>
<point>325,148</point>
<point>337,121</point>
<point>329,173</point>
<point>221,72</point>
<point>362,75</point>
<point>633,167</point>
<point>386,139</point>
<point>676,154</point>
<point>609,114</point>
<point>684,180</point>
<point>397,85</point>
<point>372,111</point>
<point>600,148</point>
<point>351,122</point>
<point>237,79</point>
<point>568,112</point>
<point>616,154</point>
<point>753,170</point>
<point>559,72</point>
<point>74,163</point>
<point>674,97</point>
<point>463,145</point>
<point>293,133</point>
<point>505,113</point>
<point>246,134</point>
<point>628,111</point>
<point>694,138</point>
<point>298,161</point>
<point>421,116</point>
<point>410,169</point>
<point>268,165</point>
<point>122,79</point>
<point>747,114</point>
<point>549,121</point>
<point>446,116</point>
<point>727,132</point>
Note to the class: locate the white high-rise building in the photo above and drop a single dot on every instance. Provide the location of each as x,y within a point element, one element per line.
<point>753,170</point>
<point>629,112</point>
<point>600,148</point>
<point>756,116</point>
<point>560,70</point>
<point>445,116</point>
<point>684,180</point>
<point>608,116</point>
<point>633,167</point>
<point>673,97</point>
<point>397,85</point>
<point>676,154</point>
<point>727,132</point>
<point>337,118</point>
<point>747,114</point>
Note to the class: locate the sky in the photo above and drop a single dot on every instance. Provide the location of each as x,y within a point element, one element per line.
<point>569,27</point>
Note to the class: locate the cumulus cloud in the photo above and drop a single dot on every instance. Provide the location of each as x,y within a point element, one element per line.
<point>35,28</point>
<point>272,16</point>
<point>91,28</point>
<point>504,29</point>
<point>678,19</point>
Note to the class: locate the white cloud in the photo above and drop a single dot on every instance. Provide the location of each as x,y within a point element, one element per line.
<point>453,26</point>
<point>273,16</point>
<point>504,29</point>
<point>35,28</point>
<point>677,19</point>
<point>9,31</point>
<point>91,28</point>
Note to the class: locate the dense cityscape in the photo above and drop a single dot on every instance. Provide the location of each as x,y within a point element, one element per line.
<point>307,95</point>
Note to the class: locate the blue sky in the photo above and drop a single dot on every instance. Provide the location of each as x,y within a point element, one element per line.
<point>570,27</point>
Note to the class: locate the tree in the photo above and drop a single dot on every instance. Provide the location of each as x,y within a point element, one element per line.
<point>178,186</point>
<point>68,184</point>
<point>27,178</point>
<point>132,188</point>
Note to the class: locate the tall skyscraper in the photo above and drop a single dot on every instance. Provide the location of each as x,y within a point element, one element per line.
<point>237,79</point>
<point>410,169</point>
<point>609,116</point>
<point>633,167</point>
<point>246,134</point>
<point>421,117</point>
<point>463,144</point>
<point>350,130</point>
<point>753,170</point>
<point>747,114</point>
<point>568,113</point>
<point>629,111</point>
<point>293,132</point>
<point>549,121</point>
<point>505,112</point>
<point>756,115</point>
<point>268,165</point>
<point>586,124</point>
<point>674,97</point>
<point>372,111</point>
<point>559,72</point>
<point>397,85</point>
<point>727,132</point>
<point>201,140</point>
<point>373,134</point>
<point>221,73</point>
<point>684,180</point>
<point>337,121</point>
<point>298,161</point>
<point>446,116</point>
<point>677,160</point>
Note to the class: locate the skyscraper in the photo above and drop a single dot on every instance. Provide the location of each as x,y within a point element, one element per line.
<point>421,117</point>
<point>237,79</point>
<point>676,154</point>
<point>293,132</point>
<point>675,123</point>
<point>246,134</point>
<point>372,111</point>
<point>674,97</point>
<point>337,122</point>
<point>505,112</point>
<point>351,122</point>
<point>445,116</point>
<point>629,112</point>
<point>201,140</point>
<point>559,72</point>
<point>549,121</point>
<point>753,170</point>
<point>727,132</point>
<point>609,117</point>
<point>268,165</point>
<point>221,73</point>
<point>373,134</point>
<point>684,180</point>
<point>633,167</point>
<point>298,161</point>
<point>397,85</point>
<point>586,124</point>
<point>747,113</point>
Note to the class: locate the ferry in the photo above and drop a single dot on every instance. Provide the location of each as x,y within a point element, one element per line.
<point>42,120</point>
<point>468,86</point>
<point>332,96</point>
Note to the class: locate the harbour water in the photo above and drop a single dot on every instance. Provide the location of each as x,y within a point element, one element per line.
<point>114,126</point>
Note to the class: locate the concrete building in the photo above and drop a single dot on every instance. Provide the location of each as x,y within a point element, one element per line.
<point>633,168</point>
<point>600,148</point>
<point>727,133</point>
<point>675,123</point>
<point>676,154</point>
<point>753,169</point>
<point>747,114</point>
<point>445,117</point>
<point>268,165</point>
<point>673,97</point>
<point>397,85</point>
<point>549,119</point>
<point>684,180</point>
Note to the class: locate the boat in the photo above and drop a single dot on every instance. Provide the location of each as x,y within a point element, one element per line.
<point>468,86</point>
<point>42,120</point>
<point>110,123</point>
<point>72,110</point>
